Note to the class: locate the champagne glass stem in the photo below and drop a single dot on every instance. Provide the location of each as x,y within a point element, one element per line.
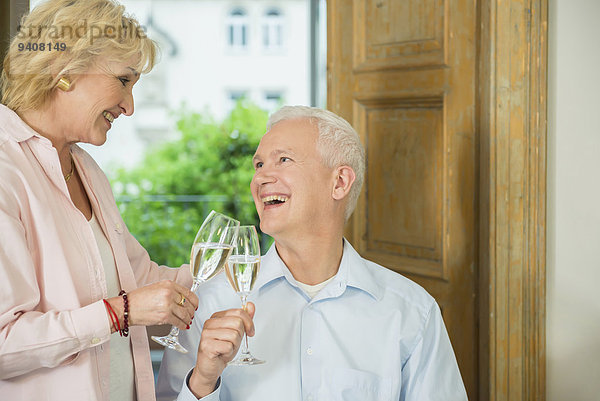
<point>245,349</point>
<point>174,331</point>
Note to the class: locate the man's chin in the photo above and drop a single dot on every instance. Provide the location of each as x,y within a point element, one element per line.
<point>264,228</point>
<point>269,229</point>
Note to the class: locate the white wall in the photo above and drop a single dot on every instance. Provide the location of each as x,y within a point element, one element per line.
<point>573,251</point>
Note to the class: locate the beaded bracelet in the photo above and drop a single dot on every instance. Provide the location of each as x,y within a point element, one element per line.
<point>125,330</point>
<point>113,316</point>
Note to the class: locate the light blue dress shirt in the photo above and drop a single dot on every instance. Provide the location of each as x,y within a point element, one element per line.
<point>369,334</point>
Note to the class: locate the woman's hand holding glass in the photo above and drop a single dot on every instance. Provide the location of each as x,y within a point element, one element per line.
<point>158,303</point>
<point>155,304</point>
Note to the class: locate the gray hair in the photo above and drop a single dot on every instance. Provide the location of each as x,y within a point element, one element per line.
<point>338,143</point>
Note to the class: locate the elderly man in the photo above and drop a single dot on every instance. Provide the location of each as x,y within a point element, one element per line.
<point>330,324</point>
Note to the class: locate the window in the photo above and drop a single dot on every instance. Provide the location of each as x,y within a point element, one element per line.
<point>238,29</point>
<point>272,29</point>
<point>272,101</point>
<point>234,96</point>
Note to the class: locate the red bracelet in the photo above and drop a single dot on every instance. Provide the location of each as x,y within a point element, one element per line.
<point>125,330</point>
<point>113,316</point>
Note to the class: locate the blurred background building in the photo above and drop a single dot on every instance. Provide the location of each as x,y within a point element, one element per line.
<point>214,52</point>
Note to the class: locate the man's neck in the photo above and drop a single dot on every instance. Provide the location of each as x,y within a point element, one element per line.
<point>312,259</point>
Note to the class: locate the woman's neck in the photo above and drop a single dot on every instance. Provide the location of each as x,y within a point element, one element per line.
<point>43,122</point>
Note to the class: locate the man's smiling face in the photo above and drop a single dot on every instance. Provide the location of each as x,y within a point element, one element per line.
<point>291,186</point>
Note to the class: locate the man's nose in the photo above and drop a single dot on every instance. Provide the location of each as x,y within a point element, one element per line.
<point>264,176</point>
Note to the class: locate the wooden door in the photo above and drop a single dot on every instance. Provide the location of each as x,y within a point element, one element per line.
<point>404,74</point>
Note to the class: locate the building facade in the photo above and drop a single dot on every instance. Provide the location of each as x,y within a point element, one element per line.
<point>213,52</point>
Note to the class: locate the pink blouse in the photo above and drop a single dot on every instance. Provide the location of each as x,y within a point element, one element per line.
<point>54,329</point>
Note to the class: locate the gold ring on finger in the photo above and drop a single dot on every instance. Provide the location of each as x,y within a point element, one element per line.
<point>182,301</point>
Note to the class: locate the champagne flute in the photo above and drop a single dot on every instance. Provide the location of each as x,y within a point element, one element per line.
<point>210,250</point>
<point>242,270</point>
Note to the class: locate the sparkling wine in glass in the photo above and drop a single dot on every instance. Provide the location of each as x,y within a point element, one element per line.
<point>210,251</point>
<point>242,270</point>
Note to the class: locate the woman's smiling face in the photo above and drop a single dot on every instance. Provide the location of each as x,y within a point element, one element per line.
<point>96,98</point>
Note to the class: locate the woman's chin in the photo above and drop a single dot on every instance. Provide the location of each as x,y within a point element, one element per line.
<point>97,140</point>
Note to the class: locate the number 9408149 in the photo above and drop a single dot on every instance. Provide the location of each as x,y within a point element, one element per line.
<point>42,47</point>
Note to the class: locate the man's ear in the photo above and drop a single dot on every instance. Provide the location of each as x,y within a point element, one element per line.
<point>343,180</point>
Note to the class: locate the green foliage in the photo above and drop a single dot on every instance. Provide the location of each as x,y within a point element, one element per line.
<point>211,159</point>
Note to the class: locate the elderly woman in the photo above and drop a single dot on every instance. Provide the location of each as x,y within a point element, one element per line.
<point>76,288</point>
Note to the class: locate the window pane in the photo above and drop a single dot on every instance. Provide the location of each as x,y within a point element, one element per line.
<point>272,22</point>
<point>238,26</point>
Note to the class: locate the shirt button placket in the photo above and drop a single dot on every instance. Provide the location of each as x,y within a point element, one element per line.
<point>310,369</point>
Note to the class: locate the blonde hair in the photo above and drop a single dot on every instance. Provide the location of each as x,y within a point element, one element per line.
<point>338,143</point>
<point>73,35</point>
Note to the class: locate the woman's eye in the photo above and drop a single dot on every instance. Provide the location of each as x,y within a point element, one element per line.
<point>124,80</point>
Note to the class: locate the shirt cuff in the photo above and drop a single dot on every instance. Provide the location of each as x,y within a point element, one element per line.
<point>187,395</point>
<point>91,324</point>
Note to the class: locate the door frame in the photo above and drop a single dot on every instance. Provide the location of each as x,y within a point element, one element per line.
<point>511,124</point>
<point>513,66</point>
<point>10,12</point>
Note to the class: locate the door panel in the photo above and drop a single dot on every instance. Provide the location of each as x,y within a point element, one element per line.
<point>404,74</point>
<point>404,150</point>
<point>398,34</point>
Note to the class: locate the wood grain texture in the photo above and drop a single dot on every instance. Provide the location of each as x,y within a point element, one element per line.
<point>513,66</point>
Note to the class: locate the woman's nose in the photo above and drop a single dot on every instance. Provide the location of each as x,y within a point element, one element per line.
<point>127,104</point>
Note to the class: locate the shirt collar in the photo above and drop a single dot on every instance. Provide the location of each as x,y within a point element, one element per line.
<point>352,272</point>
<point>13,126</point>
<point>271,268</point>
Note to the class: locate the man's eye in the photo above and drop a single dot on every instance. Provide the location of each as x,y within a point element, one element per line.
<point>258,165</point>
<point>284,159</point>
